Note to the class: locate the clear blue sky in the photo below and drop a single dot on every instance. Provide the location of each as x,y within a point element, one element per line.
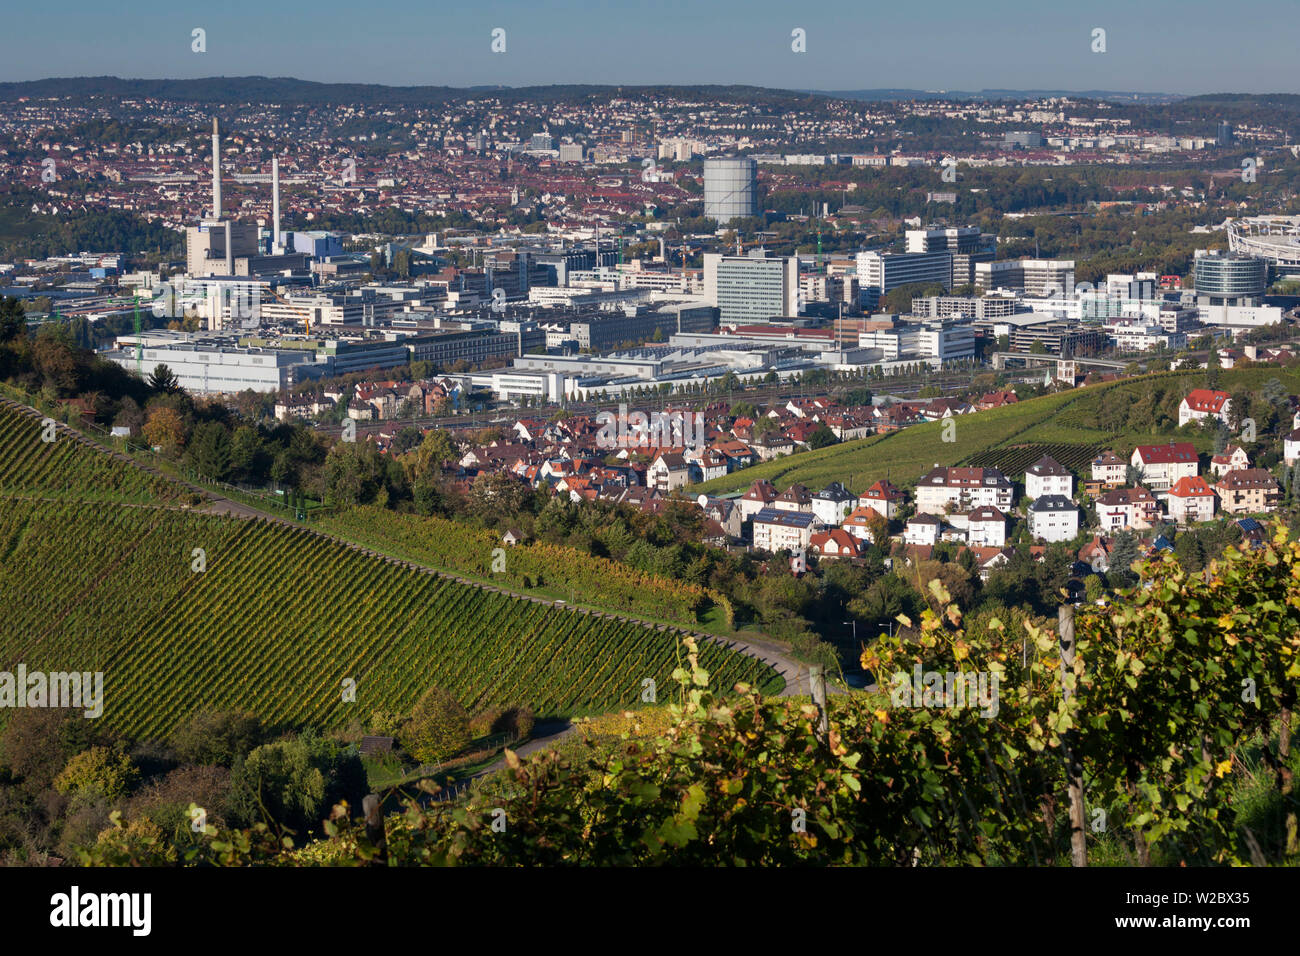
<point>1182,46</point>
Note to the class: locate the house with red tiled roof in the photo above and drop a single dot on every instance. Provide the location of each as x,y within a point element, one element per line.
<point>1109,469</point>
<point>1232,458</point>
<point>1191,499</point>
<point>1163,465</point>
<point>1202,403</point>
<point>884,498</point>
<point>963,489</point>
<point>836,543</point>
<point>761,494</point>
<point>996,400</point>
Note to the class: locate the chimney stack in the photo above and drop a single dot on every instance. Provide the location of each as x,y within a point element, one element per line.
<point>216,171</point>
<point>275,206</point>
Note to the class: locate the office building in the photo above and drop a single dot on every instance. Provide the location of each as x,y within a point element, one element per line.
<point>752,289</point>
<point>1039,277</point>
<point>881,272</point>
<point>1231,279</point>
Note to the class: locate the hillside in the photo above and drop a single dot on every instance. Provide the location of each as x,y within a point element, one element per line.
<point>182,610</point>
<point>1076,422</point>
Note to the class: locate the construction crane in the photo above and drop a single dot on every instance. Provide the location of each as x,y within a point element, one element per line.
<point>306,315</point>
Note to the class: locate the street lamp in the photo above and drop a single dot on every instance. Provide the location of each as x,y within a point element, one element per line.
<point>855,629</point>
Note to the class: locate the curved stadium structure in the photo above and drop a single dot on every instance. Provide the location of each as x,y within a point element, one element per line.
<point>1274,238</point>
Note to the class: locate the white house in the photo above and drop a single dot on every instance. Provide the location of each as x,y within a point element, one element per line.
<point>1232,458</point>
<point>1163,465</point>
<point>833,504</point>
<point>922,530</point>
<point>784,530</point>
<point>1047,476</point>
<point>1053,518</point>
<point>858,523</point>
<point>883,498</point>
<point>962,488</point>
<point>987,527</point>
<point>1202,403</point>
<point>761,494</point>
<point>1109,467</point>
<point>1191,499</point>
<point>1291,448</point>
<point>668,472</point>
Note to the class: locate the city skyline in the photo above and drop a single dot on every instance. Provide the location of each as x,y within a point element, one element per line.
<point>1009,45</point>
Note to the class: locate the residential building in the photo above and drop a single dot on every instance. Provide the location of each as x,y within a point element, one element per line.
<point>833,503</point>
<point>884,498</point>
<point>922,529</point>
<point>1202,403</point>
<point>1191,499</point>
<point>1127,508</point>
<point>776,530</point>
<point>761,494</point>
<point>1232,458</point>
<point>963,489</point>
<point>1053,517</point>
<point>668,472</point>
<point>986,527</point>
<point>835,543</point>
<point>1248,491</point>
<point>1047,476</point>
<point>795,498</point>
<point>1109,468</point>
<point>858,523</point>
<point>1163,465</point>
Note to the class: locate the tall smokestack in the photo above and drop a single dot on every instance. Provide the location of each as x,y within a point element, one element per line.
<point>216,170</point>
<point>275,205</point>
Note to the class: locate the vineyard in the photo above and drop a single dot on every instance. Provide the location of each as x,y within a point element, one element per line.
<point>67,466</point>
<point>182,611</point>
<point>1014,459</point>
<point>448,544</point>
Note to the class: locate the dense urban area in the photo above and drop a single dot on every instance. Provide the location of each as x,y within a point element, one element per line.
<point>488,434</point>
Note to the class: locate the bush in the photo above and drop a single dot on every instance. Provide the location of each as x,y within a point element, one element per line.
<point>218,737</point>
<point>438,728</point>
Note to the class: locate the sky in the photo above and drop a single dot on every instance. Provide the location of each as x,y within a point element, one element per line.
<point>1174,46</point>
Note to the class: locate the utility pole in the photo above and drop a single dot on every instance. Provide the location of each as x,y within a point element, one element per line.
<point>1070,743</point>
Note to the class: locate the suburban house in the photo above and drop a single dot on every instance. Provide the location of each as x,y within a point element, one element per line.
<point>1248,491</point>
<point>922,530</point>
<point>784,530</point>
<point>858,523</point>
<point>1163,465</point>
<point>1202,403</point>
<point>996,400</point>
<point>794,498</point>
<point>1191,499</point>
<point>835,543</point>
<point>1109,468</point>
<point>986,526</point>
<point>1047,476</point>
<point>1232,458</point>
<point>668,472</point>
<point>963,489</point>
<point>710,464</point>
<point>833,503</point>
<point>1096,554</point>
<point>725,511</point>
<point>760,495</point>
<point>883,498</point>
<point>1291,448</point>
<point>1053,518</point>
<point>1127,508</point>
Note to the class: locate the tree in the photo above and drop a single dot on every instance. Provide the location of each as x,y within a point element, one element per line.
<point>821,436</point>
<point>164,380</point>
<point>209,451</point>
<point>13,319</point>
<point>164,429</point>
<point>438,727</point>
<point>217,737</point>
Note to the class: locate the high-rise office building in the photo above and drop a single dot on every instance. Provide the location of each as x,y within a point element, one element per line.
<point>752,289</point>
<point>881,272</point>
<point>730,188</point>
<point>1030,276</point>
